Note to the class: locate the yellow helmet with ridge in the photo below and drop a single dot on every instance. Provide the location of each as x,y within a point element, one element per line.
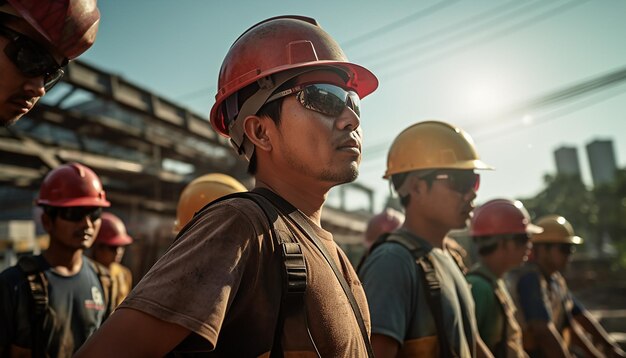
<point>202,191</point>
<point>432,145</point>
<point>556,230</point>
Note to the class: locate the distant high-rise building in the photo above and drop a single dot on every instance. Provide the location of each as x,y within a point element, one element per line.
<point>602,161</point>
<point>566,159</point>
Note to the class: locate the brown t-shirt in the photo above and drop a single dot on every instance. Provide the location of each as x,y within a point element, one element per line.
<point>222,280</point>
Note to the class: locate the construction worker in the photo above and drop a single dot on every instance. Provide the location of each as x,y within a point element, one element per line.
<point>37,39</point>
<point>51,303</point>
<point>552,320</point>
<point>420,303</point>
<point>255,275</point>
<point>379,225</point>
<point>500,229</point>
<point>202,191</point>
<point>382,223</point>
<point>108,250</point>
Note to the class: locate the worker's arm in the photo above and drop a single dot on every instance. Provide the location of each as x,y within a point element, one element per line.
<point>548,339</point>
<point>131,333</point>
<point>599,334</point>
<point>580,339</point>
<point>384,346</point>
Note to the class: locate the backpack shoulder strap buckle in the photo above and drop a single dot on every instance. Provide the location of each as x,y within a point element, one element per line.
<point>295,267</point>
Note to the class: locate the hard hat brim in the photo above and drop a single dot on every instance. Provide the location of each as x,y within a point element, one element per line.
<point>119,240</point>
<point>76,202</point>
<point>576,240</point>
<point>534,229</point>
<point>365,80</point>
<point>475,164</point>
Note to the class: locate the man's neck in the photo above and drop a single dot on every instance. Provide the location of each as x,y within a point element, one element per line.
<point>495,264</point>
<point>546,268</point>
<point>424,229</point>
<point>306,198</point>
<point>65,262</point>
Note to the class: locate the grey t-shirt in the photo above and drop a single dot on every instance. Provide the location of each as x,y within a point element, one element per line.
<point>397,300</point>
<point>77,302</point>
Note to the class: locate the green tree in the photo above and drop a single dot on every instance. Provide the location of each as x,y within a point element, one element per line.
<point>594,213</point>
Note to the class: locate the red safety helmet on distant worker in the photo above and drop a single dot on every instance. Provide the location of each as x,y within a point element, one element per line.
<point>112,231</point>
<point>72,184</point>
<point>70,26</point>
<point>271,53</point>
<point>382,223</point>
<point>502,217</point>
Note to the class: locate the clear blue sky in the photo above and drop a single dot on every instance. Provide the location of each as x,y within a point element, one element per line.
<point>464,61</point>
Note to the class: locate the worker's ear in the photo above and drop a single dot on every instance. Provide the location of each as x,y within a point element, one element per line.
<point>258,131</point>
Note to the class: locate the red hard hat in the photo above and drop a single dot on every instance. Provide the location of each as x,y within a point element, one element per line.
<point>72,184</point>
<point>277,45</point>
<point>69,25</point>
<point>387,221</point>
<point>502,217</point>
<point>113,232</point>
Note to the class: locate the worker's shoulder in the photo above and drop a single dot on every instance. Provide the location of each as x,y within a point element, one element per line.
<point>12,277</point>
<point>238,214</point>
<point>241,205</point>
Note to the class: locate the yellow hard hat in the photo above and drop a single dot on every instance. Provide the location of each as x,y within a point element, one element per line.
<point>202,191</point>
<point>556,230</point>
<point>432,145</point>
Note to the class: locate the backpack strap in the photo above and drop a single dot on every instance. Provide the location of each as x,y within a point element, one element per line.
<point>41,318</point>
<point>501,346</point>
<point>297,218</point>
<point>431,284</point>
<point>294,272</point>
<point>109,287</point>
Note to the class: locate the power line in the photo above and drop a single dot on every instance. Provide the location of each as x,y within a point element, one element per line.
<point>440,37</point>
<point>564,97</point>
<point>396,24</point>
<point>409,67</point>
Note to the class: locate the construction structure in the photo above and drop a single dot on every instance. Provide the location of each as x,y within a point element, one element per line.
<point>145,148</point>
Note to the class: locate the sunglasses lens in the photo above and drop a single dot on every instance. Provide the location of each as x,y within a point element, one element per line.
<point>51,79</point>
<point>329,99</point>
<point>464,181</point>
<point>521,239</point>
<point>567,249</point>
<point>33,60</point>
<point>78,213</point>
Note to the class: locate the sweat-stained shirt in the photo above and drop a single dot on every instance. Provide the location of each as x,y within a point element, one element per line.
<point>222,280</point>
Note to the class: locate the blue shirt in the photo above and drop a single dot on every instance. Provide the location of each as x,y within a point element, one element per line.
<point>397,299</point>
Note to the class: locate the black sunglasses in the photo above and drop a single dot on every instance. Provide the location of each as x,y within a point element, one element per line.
<point>567,249</point>
<point>461,181</point>
<point>31,58</point>
<point>323,98</point>
<point>520,239</point>
<point>78,213</point>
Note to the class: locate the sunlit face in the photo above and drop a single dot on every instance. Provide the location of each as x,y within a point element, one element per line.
<point>18,93</point>
<point>315,145</point>
<point>71,235</point>
<point>444,206</point>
